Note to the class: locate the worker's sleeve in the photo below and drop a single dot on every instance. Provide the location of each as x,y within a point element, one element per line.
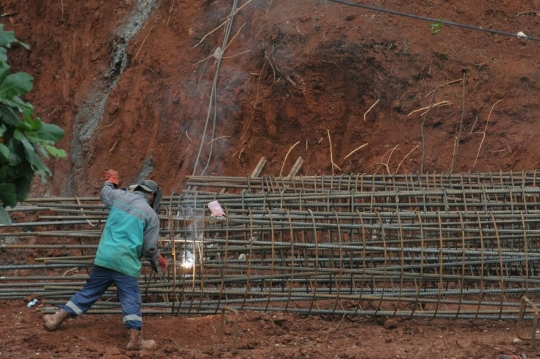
<point>107,193</point>
<point>150,241</point>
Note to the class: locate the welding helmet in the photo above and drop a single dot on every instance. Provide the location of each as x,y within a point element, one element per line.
<point>148,186</point>
<point>151,187</point>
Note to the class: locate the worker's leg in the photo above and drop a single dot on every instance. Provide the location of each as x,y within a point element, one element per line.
<point>96,285</point>
<point>100,279</point>
<point>130,299</point>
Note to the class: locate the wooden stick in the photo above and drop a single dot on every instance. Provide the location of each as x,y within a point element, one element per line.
<point>331,153</point>
<point>79,202</point>
<point>403,95</point>
<point>454,159</point>
<point>349,166</point>
<point>484,133</point>
<point>142,43</point>
<point>113,146</point>
<point>176,144</point>
<point>439,86</point>
<point>382,164</point>
<point>16,12</point>
<point>217,138</point>
<point>424,116</point>
<point>369,109</point>
<point>407,155</point>
<point>269,6</point>
<point>203,72</point>
<point>206,58</point>
<point>146,67</point>
<point>456,141</point>
<point>474,124</point>
<point>427,108</point>
<point>256,100</point>
<point>337,327</point>
<point>333,63</point>
<point>297,29</point>
<point>240,53</point>
<point>287,155</point>
<point>223,50</point>
<point>353,151</point>
<point>237,10</point>
<point>270,62</point>
<point>69,270</point>
<point>170,12</point>
<point>389,157</point>
<point>217,28</point>
<point>234,37</point>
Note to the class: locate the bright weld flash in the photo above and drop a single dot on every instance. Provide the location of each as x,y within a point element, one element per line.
<point>187,260</point>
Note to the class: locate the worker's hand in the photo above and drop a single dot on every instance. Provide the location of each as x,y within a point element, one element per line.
<point>154,263</point>
<point>159,265</point>
<point>163,264</point>
<point>111,176</point>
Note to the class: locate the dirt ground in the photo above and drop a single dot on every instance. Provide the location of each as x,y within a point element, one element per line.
<point>349,90</point>
<point>259,335</point>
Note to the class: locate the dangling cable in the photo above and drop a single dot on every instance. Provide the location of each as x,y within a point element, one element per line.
<point>213,94</point>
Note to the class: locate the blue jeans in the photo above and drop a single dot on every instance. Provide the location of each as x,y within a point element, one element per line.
<point>99,281</point>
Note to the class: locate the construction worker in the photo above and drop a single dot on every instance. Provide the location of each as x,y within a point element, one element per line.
<point>131,232</point>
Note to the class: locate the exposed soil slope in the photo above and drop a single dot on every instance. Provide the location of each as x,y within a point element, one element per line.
<point>131,83</point>
<point>316,79</point>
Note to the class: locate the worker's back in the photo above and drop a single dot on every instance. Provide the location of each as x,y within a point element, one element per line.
<point>130,221</point>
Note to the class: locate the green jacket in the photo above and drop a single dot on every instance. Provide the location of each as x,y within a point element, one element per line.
<point>131,231</point>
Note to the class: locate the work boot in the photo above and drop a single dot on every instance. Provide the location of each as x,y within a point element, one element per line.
<point>136,342</point>
<point>51,322</point>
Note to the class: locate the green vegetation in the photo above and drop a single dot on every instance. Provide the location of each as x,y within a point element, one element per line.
<point>436,27</point>
<point>24,139</point>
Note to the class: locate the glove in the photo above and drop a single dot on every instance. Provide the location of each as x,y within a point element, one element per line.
<point>163,264</point>
<point>159,264</point>
<point>154,263</point>
<point>111,176</point>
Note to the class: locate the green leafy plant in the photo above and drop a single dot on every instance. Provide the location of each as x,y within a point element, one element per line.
<point>436,27</point>
<point>24,139</point>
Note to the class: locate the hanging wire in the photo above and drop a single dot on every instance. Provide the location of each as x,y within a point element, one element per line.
<point>440,21</point>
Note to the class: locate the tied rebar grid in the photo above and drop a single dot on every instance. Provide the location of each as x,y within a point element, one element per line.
<point>365,182</point>
<point>331,253</point>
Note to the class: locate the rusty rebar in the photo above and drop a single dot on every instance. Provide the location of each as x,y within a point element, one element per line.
<point>433,246</point>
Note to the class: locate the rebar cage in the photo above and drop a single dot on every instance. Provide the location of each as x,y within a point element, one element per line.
<point>457,246</point>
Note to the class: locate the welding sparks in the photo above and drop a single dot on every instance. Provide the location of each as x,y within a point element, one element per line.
<point>187,260</point>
